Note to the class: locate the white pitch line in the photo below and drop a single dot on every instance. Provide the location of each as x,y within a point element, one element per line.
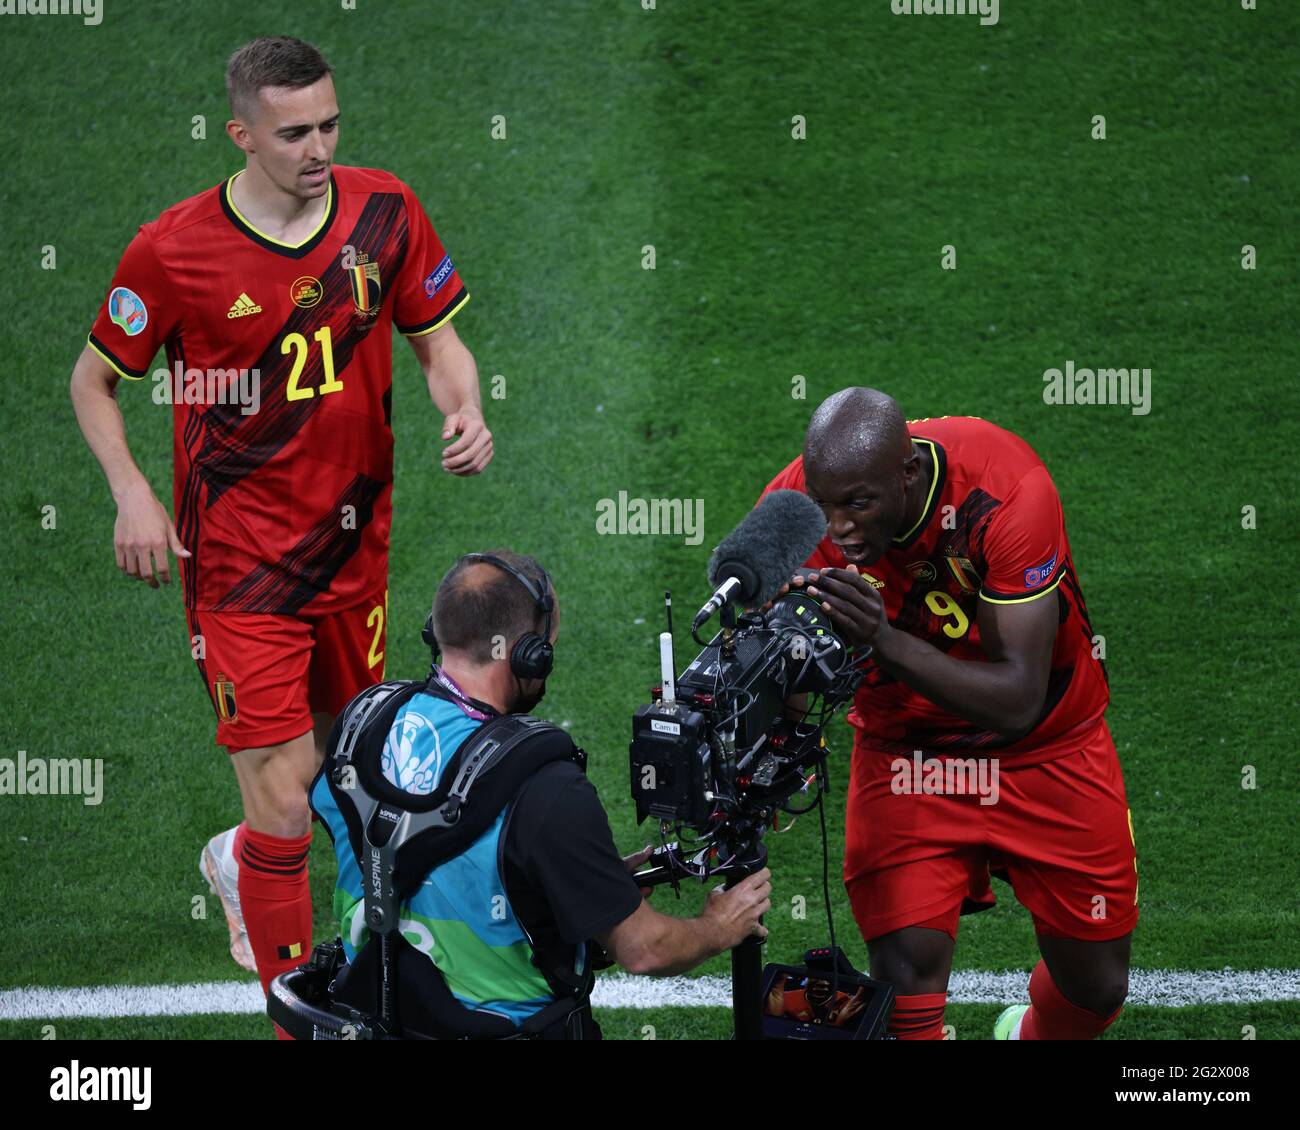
<point>1168,987</point>
<point>1171,988</point>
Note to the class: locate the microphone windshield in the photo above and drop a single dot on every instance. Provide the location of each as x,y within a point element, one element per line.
<point>768,545</point>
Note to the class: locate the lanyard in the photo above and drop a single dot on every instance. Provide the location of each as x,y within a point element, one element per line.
<point>462,699</point>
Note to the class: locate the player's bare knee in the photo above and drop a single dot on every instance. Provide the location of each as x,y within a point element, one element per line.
<point>910,982</point>
<point>912,961</point>
<point>279,807</point>
<point>929,974</point>
<point>1102,995</point>
<point>1110,995</point>
<point>289,808</point>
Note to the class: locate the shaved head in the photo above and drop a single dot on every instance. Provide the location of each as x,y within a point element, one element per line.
<point>856,429</point>
<point>862,468</point>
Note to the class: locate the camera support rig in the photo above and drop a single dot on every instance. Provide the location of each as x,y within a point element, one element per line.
<point>719,751</point>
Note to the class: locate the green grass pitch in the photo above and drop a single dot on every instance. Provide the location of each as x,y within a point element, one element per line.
<point>776,258</point>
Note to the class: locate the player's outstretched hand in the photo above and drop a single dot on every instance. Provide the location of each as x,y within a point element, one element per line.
<point>472,451</point>
<point>142,536</point>
<point>785,588</point>
<point>854,606</point>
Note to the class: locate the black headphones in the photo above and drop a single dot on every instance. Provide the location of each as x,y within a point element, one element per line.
<point>532,656</point>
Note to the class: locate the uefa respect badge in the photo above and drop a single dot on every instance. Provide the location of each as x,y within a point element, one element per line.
<point>439,275</point>
<point>1040,575</point>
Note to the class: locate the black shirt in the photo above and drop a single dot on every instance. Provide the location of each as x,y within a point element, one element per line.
<point>565,879</point>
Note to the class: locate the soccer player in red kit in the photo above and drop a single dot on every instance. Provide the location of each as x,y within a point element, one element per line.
<point>273,295</point>
<point>980,740</point>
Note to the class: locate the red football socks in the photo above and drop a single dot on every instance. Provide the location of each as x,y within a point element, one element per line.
<point>1052,1017</point>
<point>918,1017</point>
<point>276,900</point>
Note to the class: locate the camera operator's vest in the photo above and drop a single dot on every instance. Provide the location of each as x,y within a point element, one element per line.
<point>459,916</point>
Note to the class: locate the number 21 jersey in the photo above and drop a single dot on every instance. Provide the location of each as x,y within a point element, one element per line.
<point>279,370</point>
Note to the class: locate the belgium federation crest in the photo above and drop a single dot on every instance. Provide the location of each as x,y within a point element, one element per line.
<point>366,291</point>
<point>223,695</point>
<point>964,571</point>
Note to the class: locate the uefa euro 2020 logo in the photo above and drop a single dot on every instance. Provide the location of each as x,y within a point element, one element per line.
<point>412,757</point>
<point>127,309</point>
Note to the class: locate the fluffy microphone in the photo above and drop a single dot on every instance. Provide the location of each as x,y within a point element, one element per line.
<point>753,561</point>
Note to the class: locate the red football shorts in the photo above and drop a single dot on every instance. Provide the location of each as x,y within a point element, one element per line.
<point>1059,832</point>
<point>267,675</point>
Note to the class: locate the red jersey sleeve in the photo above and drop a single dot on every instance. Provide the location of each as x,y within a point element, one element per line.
<point>139,313</point>
<point>429,290</point>
<point>791,478</point>
<point>1024,546</point>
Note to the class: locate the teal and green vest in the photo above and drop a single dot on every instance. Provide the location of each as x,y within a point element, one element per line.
<point>460,917</point>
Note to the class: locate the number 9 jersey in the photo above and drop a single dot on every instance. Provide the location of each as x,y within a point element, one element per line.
<point>991,530</point>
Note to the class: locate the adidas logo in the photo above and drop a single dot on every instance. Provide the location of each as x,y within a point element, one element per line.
<point>242,307</point>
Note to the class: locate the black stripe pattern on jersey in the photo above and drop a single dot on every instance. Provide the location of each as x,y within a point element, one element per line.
<point>235,445</point>
<point>1070,582</point>
<point>285,586</point>
<point>223,444</point>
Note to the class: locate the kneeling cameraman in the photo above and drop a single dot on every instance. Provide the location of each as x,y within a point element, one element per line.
<point>494,940</point>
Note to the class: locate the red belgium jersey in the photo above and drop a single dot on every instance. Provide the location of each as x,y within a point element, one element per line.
<point>284,459</point>
<point>992,529</point>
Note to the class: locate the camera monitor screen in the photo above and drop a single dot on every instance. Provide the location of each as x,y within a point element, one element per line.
<point>798,1006</point>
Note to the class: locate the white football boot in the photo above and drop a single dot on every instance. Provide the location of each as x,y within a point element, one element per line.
<point>220,868</point>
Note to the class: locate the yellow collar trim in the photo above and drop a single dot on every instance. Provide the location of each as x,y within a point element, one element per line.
<point>934,485</point>
<point>329,203</point>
